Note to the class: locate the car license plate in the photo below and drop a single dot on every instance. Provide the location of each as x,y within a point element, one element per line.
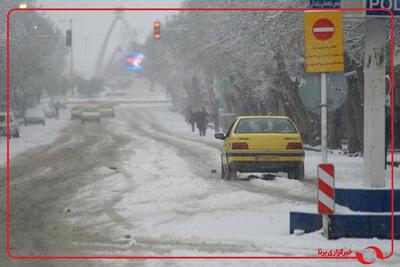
<point>267,158</point>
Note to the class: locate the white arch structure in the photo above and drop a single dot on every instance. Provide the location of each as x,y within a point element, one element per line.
<point>100,58</point>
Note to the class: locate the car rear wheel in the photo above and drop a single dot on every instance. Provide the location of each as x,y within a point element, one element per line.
<point>297,172</point>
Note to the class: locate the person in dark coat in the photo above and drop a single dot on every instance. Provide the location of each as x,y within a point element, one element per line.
<point>202,121</point>
<point>191,118</point>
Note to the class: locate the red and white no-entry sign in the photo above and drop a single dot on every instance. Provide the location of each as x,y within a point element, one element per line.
<point>326,188</point>
<point>323,29</point>
<point>323,41</point>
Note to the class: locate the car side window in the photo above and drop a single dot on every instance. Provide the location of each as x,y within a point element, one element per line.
<point>230,128</point>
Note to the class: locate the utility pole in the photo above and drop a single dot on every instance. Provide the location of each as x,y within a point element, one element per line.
<point>374,102</point>
<point>72,58</point>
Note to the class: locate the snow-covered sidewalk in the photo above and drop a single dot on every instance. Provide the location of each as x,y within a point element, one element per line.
<point>348,170</point>
<point>34,135</point>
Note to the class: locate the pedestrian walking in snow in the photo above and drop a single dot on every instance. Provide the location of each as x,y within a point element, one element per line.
<point>191,118</point>
<point>202,121</point>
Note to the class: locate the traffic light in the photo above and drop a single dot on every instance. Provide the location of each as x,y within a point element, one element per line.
<point>156,31</point>
<point>68,41</point>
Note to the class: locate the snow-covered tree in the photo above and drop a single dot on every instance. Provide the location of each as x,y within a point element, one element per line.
<point>254,60</point>
<point>37,57</point>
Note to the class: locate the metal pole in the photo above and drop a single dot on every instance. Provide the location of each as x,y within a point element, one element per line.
<point>324,133</point>
<point>324,130</point>
<point>72,58</point>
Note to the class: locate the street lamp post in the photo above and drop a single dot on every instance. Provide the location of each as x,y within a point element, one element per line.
<point>70,44</point>
<point>72,58</point>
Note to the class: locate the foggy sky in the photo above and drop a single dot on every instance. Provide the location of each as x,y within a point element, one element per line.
<point>89,28</point>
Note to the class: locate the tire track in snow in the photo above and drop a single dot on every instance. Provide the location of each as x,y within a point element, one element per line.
<point>200,160</point>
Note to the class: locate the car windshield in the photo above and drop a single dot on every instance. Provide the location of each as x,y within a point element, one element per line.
<point>265,125</point>
<point>105,106</point>
<point>89,110</point>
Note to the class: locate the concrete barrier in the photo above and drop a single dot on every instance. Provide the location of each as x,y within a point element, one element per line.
<point>376,200</point>
<point>369,215</point>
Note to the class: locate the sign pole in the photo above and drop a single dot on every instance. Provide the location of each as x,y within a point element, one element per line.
<point>324,148</point>
<point>324,119</point>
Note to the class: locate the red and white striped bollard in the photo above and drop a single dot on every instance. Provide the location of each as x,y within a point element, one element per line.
<point>326,188</point>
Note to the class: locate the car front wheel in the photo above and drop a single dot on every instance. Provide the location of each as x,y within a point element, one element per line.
<point>228,173</point>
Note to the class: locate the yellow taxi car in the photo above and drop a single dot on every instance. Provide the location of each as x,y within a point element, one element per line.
<point>106,110</point>
<point>262,144</point>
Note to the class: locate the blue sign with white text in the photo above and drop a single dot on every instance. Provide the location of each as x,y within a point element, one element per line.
<point>325,3</point>
<point>394,5</point>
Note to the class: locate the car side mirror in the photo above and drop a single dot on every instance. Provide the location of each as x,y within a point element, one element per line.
<point>220,136</point>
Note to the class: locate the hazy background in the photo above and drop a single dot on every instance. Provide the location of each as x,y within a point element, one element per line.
<point>90,28</point>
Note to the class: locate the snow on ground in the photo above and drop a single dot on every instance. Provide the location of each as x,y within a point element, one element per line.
<point>348,170</point>
<point>166,204</point>
<point>234,263</point>
<point>175,122</point>
<point>34,135</point>
<point>168,210</point>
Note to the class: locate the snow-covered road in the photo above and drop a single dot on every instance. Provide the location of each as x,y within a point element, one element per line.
<point>143,184</point>
<point>169,199</point>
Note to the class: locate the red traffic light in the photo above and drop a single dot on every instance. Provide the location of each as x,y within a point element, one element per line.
<point>156,30</point>
<point>156,24</point>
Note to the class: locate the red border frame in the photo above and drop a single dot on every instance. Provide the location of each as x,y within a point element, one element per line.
<point>358,255</point>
